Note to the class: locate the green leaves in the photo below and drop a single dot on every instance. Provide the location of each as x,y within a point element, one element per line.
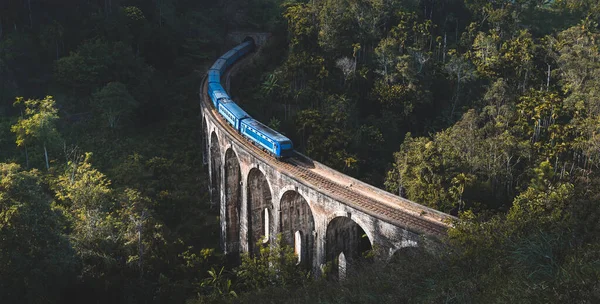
<point>38,122</point>
<point>83,187</point>
<point>33,246</point>
<point>276,265</point>
<point>38,125</point>
<point>114,102</point>
<point>220,285</point>
<point>96,63</point>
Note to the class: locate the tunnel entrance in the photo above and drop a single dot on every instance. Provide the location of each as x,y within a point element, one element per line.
<point>260,211</point>
<point>347,245</point>
<point>233,202</point>
<point>249,38</point>
<point>297,226</point>
<point>215,169</point>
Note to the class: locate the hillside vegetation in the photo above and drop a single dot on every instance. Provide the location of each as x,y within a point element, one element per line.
<point>103,191</point>
<point>484,109</point>
<point>488,110</point>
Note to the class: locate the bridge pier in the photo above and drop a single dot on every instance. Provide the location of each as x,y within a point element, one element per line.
<point>328,226</point>
<point>244,240</point>
<point>325,215</point>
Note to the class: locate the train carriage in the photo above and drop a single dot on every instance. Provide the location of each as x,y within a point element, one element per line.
<point>267,138</point>
<point>263,136</point>
<point>230,57</point>
<point>244,48</point>
<point>232,113</point>
<point>214,76</point>
<point>216,92</point>
<point>219,65</point>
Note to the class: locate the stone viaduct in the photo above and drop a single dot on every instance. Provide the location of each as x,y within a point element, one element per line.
<point>325,215</point>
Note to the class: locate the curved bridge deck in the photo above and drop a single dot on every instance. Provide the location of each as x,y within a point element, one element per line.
<point>325,215</point>
<point>352,192</point>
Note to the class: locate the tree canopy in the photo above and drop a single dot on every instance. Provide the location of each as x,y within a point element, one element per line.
<point>488,110</point>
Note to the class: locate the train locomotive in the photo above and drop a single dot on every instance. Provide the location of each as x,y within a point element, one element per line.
<point>252,129</point>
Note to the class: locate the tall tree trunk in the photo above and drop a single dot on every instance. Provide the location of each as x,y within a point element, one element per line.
<point>456,96</point>
<point>444,51</point>
<point>140,251</point>
<point>107,7</point>
<point>46,155</point>
<point>548,79</point>
<point>30,18</point>
<point>26,158</point>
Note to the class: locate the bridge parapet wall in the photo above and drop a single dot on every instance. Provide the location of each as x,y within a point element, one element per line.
<point>381,195</point>
<point>249,208</point>
<point>385,238</point>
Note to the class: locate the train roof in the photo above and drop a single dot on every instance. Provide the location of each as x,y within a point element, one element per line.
<point>218,90</point>
<point>274,135</point>
<point>228,54</point>
<point>214,76</point>
<point>216,87</point>
<point>238,112</point>
<point>242,45</point>
<point>218,64</point>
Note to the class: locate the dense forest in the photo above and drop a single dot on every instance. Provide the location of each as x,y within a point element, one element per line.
<point>488,110</point>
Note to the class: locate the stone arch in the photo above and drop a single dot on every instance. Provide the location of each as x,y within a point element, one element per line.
<point>406,253</point>
<point>233,201</point>
<point>260,209</point>
<point>296,216</point>
<point>345,240</point>
<point>357,220</point>
<point>215,169</point>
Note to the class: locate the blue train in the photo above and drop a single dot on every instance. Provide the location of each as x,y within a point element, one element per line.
<point>259,134</point>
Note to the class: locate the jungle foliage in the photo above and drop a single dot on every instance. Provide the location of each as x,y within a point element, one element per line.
<point>488,110</point>
<point>102,185</point>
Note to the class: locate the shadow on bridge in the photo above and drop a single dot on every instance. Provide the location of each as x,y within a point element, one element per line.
<point>301,161</point>
<point>347,245</point>
<point>297,226</point>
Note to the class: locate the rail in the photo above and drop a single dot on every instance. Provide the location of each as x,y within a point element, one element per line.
<point>350,191</point>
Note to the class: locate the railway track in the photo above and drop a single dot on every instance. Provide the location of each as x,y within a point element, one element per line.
<point>296,168</point>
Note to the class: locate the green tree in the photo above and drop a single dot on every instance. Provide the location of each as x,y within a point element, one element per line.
<point>36,258</point>
<point>98,62</point>
<point>114,102</point>
<point>85,195</point>
<point>137,23</point>
<point>276,265</point>
<point>38,125</point>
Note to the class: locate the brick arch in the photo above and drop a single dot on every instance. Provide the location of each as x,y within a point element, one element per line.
<point>357,220</point>
<point>296,216</point>
<point>233,201</point>
<point>344,240</point>
<point>260,198</point>
<point>294,188</point>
